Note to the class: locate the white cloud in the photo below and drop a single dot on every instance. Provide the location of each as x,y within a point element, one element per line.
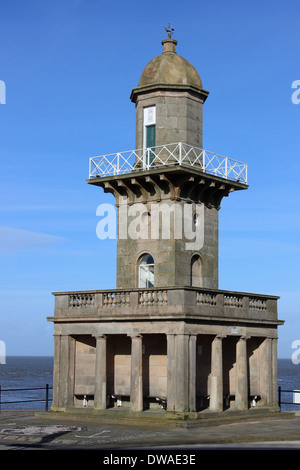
<point>13,239</point>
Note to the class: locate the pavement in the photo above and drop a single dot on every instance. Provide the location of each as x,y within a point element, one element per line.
<point>20,430</point>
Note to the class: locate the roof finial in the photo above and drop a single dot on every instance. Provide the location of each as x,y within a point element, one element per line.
<point>169,30</point>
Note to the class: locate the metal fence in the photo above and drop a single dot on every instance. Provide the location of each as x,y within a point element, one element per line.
<point>177,153</point>
<point>47,398</point>
<point>282,397</point>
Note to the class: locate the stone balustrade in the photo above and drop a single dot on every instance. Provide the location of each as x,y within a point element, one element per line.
<point>166,303</point>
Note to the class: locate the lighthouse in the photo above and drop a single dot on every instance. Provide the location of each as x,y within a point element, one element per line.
<point>167,335</point>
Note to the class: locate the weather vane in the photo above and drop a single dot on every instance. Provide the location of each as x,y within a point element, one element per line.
<point>169,30</point>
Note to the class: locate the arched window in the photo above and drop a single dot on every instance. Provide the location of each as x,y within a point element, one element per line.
<point>146,271</point>
<point>196,271</point>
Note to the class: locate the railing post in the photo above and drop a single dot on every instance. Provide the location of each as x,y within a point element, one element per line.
<point>180,153</point>
<point>47,396</point>
<point>226,167</point>
<point>0,397</point>
<point>279,397</point>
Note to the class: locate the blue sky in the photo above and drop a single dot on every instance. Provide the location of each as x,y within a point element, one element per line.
<point>69,68</point>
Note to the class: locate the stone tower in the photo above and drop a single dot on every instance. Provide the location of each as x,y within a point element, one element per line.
<point>175,199</point>
<point>167,334</point>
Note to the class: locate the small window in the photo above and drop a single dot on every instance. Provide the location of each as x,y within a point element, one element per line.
<point>196,271</point>
<point>149,135</point>
<point>146,271</point>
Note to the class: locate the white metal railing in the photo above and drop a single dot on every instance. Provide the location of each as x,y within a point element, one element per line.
<point>164,155</point>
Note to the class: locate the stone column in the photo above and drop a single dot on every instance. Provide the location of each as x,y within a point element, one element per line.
<point>266,366</point>
<point>136,382</point>
<point>171,390</point>
<point>181,386</point>
<point>66,371</point>
<point>274,372</point>
<point>182,372</point>
<point>100,373</point>
<point>192,372</point>
<point>241,386</point>
<point>216,377</point>
<point>56,371</point>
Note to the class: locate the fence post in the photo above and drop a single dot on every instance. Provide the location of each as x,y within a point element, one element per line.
<point>0,397</point>
<point>47,396</point>
<point>279,397</point>
<point>180,153</point>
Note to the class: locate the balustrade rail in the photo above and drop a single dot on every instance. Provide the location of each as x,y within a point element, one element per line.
<point>117,299</point>
<point>257,303</point>
<point>206,298</point>
<point>81,300</point>
<point>154,297</point>
<point>172,154</point>
<point>235,301</point>
<point>194,301</point>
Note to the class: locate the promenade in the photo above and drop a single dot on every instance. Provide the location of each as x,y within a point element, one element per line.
<point>62,431</point>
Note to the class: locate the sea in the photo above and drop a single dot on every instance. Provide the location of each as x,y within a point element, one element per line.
<point>20,373</point>
<point>26,372</point>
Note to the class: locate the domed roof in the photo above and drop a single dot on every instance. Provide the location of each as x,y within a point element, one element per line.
<point>169,70</point>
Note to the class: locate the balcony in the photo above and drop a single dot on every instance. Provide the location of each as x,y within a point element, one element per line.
<point>171,303</point>
<point>179,154</point>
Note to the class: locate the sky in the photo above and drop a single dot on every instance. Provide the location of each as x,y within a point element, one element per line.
<point>69,68</point>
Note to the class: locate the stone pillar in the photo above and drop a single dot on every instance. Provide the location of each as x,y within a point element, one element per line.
<point>192,372</point>
<point>56,371</point>
<point>171,390</point>
<point>274,372</point>
<point>241,386</point>
<point>181,386</point>
<point>64,371</point>
<point>266,366</point>
<point>100,373</point>
<point>136,382</point>
<point>182,372</point>
<point>216,377</point>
